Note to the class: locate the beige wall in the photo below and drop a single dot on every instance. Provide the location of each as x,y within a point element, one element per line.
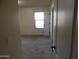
<point>26,18</point>
<point>9,29</point>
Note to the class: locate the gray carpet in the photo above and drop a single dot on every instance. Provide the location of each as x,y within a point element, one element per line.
<point>36,48</point>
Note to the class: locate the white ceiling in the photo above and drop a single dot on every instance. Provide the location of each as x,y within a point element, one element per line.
<point>33,3</point>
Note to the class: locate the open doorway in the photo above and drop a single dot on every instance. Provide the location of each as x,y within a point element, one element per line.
<point>34,29</point>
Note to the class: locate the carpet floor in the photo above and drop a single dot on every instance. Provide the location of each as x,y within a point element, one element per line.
<point>36,48</point>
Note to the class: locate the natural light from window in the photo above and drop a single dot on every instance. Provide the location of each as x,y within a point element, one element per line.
<point>39,19</point>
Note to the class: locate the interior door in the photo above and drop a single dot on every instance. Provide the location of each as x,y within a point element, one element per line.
<point>53,25</point>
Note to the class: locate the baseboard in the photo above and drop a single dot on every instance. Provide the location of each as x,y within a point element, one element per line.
<point>34,36</point>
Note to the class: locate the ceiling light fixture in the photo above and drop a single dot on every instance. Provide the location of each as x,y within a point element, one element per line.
<point>19,1</point>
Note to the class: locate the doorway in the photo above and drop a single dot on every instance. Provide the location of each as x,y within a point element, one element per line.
<point>34,29</point>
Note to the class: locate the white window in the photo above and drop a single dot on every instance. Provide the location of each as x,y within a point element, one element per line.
<point>39,19</point>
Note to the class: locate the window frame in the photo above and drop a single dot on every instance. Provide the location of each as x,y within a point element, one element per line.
<point>38,20</point>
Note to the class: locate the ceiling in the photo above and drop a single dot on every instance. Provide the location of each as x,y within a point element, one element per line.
<point>33,3</point>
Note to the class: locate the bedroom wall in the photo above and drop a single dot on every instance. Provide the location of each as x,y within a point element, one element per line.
<point>27,24</point>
